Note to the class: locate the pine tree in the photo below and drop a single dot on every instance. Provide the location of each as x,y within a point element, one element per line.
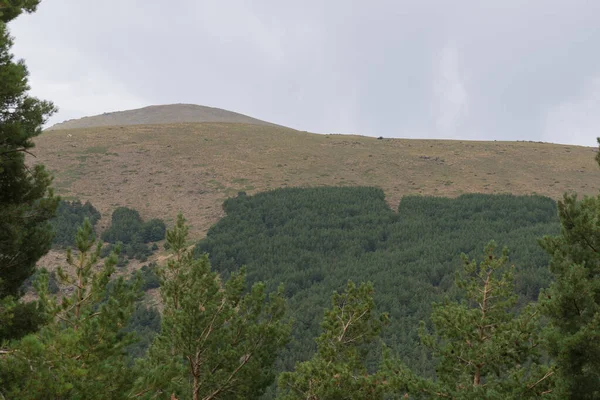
<point>26,200</point>
<point>572,303</point>
<point>483,347</point>
<point>81,352</point>
<point>216,342</point>
<point>338,370</point>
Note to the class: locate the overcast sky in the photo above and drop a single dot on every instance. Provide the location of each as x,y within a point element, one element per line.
<point>505,70</point>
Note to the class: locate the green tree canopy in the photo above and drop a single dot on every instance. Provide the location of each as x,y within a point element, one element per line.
<point>128,227</point>
<point>125,227</point>
<point>69,217</point>
<point>572,303</point>
<point>216,341</point>
<point>484,348</point>
<point>313,239</point>
<point>26,200</point>
<point>339,368</point>
<point>81,352</point>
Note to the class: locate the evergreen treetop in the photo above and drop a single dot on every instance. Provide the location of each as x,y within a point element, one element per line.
<point>26,200</point>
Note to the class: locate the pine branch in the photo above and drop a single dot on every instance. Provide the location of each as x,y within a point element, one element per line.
<point>209,329</point>
<point>65,320</point>
<point>141,393</point>
<point>547,375</point>
<point>21,150</point>
<point>231,376</point>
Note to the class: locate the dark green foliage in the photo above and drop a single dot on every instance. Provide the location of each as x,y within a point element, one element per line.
<point>572,303</point>
<point>145,323</point>
<point>150,279</point>
<point>339,368</point>
<point>145,320</point>
<point>53,287</point>
<point>106,250</point>
<point>13,8</point>
<point>26,200</point>
<point>28,319</point>
<point>69,217</point>
<point>483,347</point>
<point>123,258</point>
<point>81,352</point>
<point>127,227</point>
<point>28,316</point>
<point>138,250</point>
<point>314,240</point>
<point>216,340</point>
<point>154,230</point>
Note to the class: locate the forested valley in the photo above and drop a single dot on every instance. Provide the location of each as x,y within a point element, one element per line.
<point>285,253</point>
<point>296,293</point>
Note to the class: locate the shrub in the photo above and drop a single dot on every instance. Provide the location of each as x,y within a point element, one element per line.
<point>127,227</point>
<point>154,230</point>
<point>149,277</point>
<point>69,217</point>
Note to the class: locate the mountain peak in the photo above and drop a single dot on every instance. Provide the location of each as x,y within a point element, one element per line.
<point>160,114</point>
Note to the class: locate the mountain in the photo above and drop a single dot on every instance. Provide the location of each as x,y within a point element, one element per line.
<point>162,169</point>
<point>159,114</point>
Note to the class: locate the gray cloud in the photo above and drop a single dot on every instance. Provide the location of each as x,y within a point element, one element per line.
<point>506,70</point>
<point>450,95</point>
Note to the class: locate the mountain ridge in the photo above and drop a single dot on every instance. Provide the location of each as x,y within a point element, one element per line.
<point>163,169</point>
<point>158,115</point>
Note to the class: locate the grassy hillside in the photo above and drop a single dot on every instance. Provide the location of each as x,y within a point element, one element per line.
<point>160,114</point>
<point>162,169</point>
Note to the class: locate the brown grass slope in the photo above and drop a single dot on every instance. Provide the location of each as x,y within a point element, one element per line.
<point>160,114</point>
<point>193,167</point>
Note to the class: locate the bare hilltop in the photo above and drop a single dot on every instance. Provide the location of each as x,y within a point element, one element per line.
<point>160,163</point>
<point>159,114</point>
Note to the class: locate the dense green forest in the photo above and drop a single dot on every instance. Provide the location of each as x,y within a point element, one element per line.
<point>314,240</point>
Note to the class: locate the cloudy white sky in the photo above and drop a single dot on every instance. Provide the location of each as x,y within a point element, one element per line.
<point>497,69</point>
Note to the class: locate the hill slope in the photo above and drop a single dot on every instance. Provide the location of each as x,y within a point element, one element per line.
<point>161,114</point>
<point>194,167</point>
